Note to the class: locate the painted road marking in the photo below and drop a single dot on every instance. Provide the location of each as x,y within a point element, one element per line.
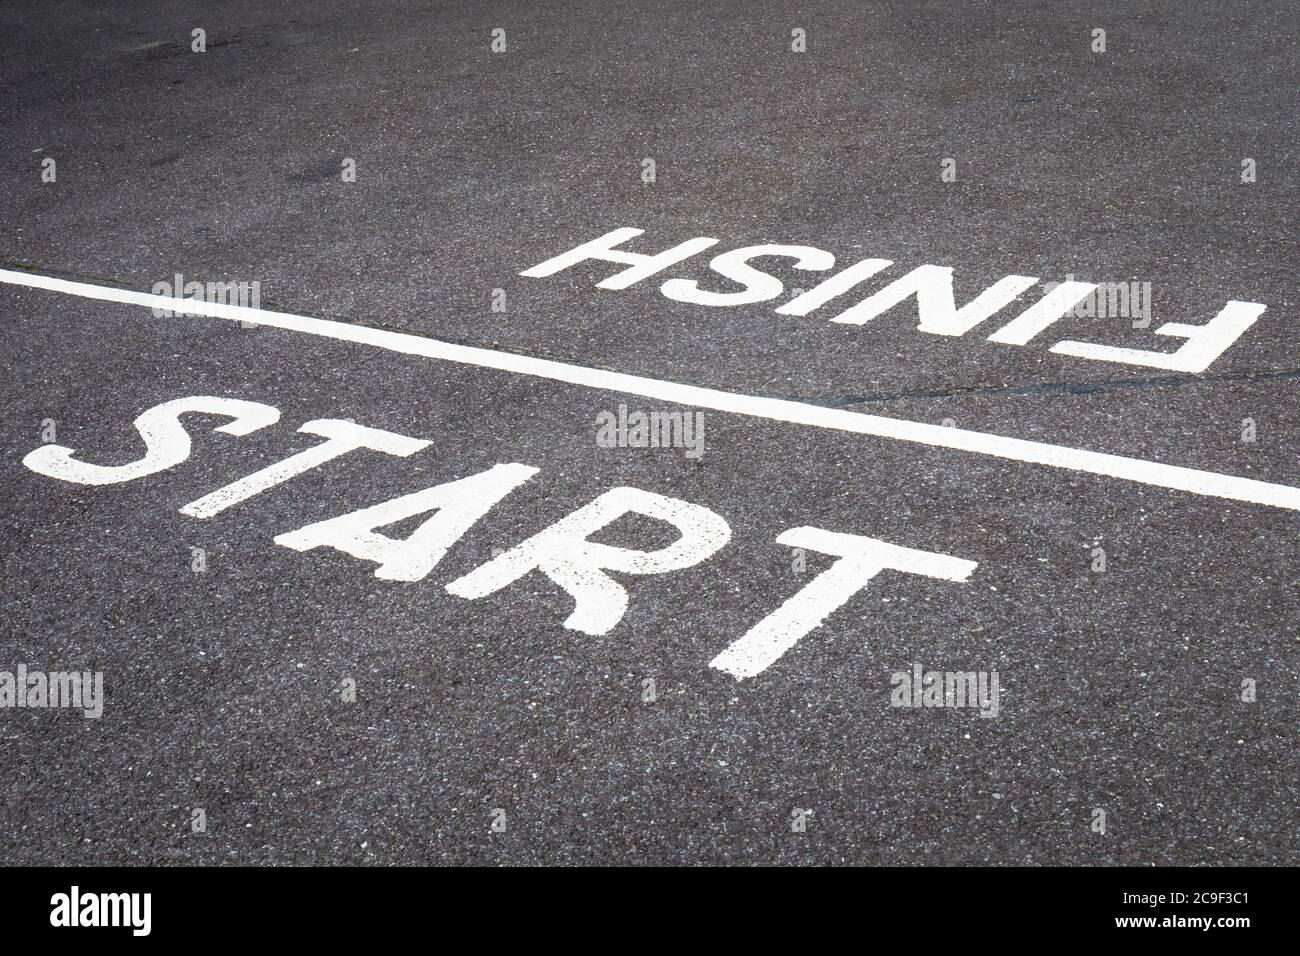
<point>931,288</point>
<point>860,560</point>
<point>1175,477</point>
<point>563,551</point>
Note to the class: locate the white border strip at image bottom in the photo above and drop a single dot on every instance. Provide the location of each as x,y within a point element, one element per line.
<point>1154,473</point>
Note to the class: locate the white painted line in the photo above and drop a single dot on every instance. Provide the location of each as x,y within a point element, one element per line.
<point>780,410</point>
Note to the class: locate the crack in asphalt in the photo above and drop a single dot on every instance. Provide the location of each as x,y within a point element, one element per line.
<point>1059,388</point>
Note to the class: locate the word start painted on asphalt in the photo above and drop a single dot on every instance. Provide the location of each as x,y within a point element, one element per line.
<point>563,552</point>
<point>929,285</point>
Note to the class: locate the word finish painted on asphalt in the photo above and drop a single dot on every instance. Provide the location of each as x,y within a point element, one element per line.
<point>563,552</point>
<point>929,285</point>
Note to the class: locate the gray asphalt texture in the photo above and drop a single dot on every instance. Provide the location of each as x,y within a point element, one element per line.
<point>1120,690</point>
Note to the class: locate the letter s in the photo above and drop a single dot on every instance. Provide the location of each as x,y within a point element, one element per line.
<point>166,442</point>
<point>734,265</point>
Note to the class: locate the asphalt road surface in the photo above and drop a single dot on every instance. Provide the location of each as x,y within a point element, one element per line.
<point>391,168</point>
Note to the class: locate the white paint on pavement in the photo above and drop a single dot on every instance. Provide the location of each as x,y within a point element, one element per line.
<point>837,284</point>
<point>1204,344</point>
<point>342,437</point>
<point>458,505</point>
<point>1153,473</point>
<point>861,559</point>
<point>563,553</point>
<point>937,310</point>
<point>734,265</point>
<point>929,285</point>
<point>166,441</point>
<point>1055,305</point>
<point>642,266</point>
